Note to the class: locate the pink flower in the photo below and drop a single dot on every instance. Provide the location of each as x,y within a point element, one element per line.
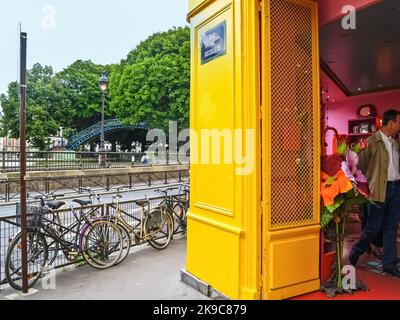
<point>351,171</point>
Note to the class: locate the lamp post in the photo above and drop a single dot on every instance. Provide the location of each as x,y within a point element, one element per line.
<point>103,85</point>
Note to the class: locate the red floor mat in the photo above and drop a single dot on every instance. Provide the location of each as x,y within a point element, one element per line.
<point>369,271</point>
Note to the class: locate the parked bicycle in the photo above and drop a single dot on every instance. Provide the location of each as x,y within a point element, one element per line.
<point>153,225</point>
<point>98,254</point>
<point>181,207</point>
<point>176,206</point>
<point>95,238</point>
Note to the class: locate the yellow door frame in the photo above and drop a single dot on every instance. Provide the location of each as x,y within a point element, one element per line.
<point>307,232</point>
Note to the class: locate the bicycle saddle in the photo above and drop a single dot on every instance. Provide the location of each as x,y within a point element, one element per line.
<point>142,203</point>
<point>55,205</point>
<point>82,203</point>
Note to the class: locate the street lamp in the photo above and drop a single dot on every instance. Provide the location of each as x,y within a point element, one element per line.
<point>103,85</point>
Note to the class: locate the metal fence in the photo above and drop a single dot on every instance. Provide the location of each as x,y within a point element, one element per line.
<point>53,161</point>
<point>9,229</point>
<point>101,183</point>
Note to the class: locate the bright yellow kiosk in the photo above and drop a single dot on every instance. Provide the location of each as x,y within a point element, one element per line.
<point>253,225</point>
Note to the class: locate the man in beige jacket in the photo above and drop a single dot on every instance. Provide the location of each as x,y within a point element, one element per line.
<point>379,161</point>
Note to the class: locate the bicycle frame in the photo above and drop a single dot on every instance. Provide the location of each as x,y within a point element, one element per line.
<point>140,235</point>
<point>78,227</point>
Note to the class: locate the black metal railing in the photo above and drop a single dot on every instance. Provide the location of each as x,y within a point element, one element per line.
<point>54,161</point>
<point>9,229</point>
<point>69,186</point>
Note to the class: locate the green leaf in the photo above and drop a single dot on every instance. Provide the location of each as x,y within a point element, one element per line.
<point>342,149</point>
<point>339,200</point>
<point>326,218</point>
<point>357,148</point>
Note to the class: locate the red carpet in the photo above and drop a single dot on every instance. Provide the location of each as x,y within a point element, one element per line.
<point>369,272</point>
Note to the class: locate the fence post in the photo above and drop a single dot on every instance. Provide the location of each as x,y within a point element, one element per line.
<point>130,181</point>
<point>165,178</point>
<point>4,160</point>
<point>47,186</point>
<point>47,160</point>
<point>108,184</point>
<point>7,191</point>
<point>149,179</point>
<point>180,176</point>
<point>80,156</point>
<point>80,185</point>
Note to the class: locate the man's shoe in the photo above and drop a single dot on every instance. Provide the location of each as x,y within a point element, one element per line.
<point>377,255</point>
<point>394,272</point>
<point>353,257</point>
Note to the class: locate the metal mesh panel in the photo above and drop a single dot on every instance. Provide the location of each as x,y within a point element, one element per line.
<point>292,115</point>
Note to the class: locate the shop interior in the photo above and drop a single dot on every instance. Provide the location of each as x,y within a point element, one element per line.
<point>360,80</point>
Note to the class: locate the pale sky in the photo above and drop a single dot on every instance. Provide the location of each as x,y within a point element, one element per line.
<point>63,31</point>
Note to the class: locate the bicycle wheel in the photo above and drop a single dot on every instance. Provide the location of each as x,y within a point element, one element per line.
<point>126,243</point>
<point>102,244</point>
<point>52,246</point>
<point>179,218</point>
<point>36,258</point>
<point>159,228</point>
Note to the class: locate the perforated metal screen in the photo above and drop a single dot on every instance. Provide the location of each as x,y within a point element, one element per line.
<point>293,115</point>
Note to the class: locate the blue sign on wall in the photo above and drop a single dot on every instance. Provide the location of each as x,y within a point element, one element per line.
<point>213,43</point>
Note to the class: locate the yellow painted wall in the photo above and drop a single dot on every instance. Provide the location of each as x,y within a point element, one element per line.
<point>224,228</point>
<point>233,242</point>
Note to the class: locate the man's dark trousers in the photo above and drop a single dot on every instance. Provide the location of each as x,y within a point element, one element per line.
<point>384,216</point>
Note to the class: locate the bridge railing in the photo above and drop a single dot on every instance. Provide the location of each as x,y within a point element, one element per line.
<point>69,160</point>
<point>95,130</point>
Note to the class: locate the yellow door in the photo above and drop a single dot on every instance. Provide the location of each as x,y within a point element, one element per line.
<point>290,133</point>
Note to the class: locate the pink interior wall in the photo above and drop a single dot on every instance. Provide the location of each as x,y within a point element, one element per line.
<point>330,10</point>
<point>337,114</point>
<point>344,108</point>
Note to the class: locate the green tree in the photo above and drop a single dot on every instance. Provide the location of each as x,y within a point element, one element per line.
<point>153,84</point>
<point>79,83</point>
<point>46,108</point>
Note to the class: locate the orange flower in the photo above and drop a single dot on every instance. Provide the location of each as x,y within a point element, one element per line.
<point>333,186</point>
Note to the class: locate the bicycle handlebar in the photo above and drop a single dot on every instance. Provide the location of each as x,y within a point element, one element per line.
<point>91,193</point>
<point>122,188</point>
<point>165,191</point>
<point>45,196</point>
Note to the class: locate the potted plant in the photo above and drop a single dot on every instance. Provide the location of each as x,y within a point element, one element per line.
<point>343,185</point>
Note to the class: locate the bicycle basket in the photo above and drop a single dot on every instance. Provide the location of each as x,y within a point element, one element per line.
<point>34,216</point>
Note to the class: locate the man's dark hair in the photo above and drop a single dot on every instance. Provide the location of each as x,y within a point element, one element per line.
<point>390,115</point>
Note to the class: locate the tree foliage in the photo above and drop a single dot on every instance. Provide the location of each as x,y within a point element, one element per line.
<point>153,84</point>
<point>80,87</point>
<point>46,108</point>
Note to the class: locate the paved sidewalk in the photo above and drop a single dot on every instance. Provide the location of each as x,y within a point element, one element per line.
<point>146,274</point>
